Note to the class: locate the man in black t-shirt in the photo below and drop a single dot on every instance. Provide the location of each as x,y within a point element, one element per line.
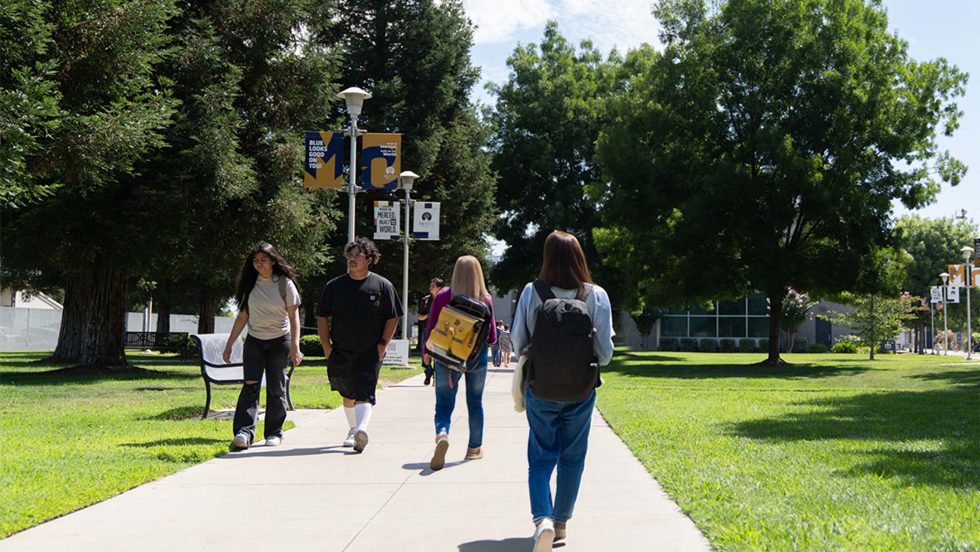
<point>424,305</point>
<point>356,319</point>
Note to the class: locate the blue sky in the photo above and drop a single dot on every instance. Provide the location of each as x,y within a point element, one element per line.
<point>935,28</point>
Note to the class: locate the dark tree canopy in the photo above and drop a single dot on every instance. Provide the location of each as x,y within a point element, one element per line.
<point>763,149</point>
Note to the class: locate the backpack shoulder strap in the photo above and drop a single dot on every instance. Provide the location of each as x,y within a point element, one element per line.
<point>544,290</point>
<point>283,288</point>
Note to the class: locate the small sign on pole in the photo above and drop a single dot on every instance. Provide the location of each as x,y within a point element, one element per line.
<point>426,221</point>
<point>953,294</point>
<point>387,220</point>
<point>937,294</point>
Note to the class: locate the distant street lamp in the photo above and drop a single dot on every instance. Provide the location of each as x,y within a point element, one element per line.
<point>967,251</point>
<point>354,98</point>
<point>407,179</point>
<point>945,276</point>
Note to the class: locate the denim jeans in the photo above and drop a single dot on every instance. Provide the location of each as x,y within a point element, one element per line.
<point>559,436</point>
<point>496,354</point>
<point>260,356</point>
<point>447,382</point>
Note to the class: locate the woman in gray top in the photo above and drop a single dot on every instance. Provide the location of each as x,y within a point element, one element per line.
<point>268,302</point>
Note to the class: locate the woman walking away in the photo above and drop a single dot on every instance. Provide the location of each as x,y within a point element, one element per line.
<point>268,302</point>
<point>561,311</point>
<point>467,280</point>
<point>503,338</point>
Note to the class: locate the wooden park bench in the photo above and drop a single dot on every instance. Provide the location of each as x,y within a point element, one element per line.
<point>214,370</point>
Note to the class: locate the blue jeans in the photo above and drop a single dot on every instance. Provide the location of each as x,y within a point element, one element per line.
<point>496,354</point>
<point>447,382</point>
<point>559,437</point>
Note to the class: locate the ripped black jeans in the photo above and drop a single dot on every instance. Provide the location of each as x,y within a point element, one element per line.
<point>269,357</point>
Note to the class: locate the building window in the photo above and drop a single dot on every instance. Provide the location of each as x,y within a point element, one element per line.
<point>703,326</point>
<point>731,308</point>
<point>731,326</point>
<point>673,326</point>
<point>758,326</point>
<point>757,305</point>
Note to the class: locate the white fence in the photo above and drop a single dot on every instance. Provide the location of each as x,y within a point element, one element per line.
<point>37,329</point>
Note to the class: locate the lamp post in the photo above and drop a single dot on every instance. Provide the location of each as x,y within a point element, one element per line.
<point>967,251</point>
<point>932,325</point>
<point>945,276</point>
<point>354,98</point>
<point>407,178</point>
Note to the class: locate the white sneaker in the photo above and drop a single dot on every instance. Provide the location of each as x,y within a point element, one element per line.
<point>240,442</point>
<point>273,441</point>
<point>349,441</point>
<point>360,440</point>
<point>544,535</point>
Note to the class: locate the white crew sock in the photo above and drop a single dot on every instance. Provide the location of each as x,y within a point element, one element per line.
<point>351,416</point>
<point>363,415</point>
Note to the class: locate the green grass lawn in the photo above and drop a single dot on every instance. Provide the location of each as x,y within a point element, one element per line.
<point>832,453</point>
<point>71,441</point>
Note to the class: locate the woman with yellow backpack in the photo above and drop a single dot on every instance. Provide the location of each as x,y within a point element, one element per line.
<point>467,281</point>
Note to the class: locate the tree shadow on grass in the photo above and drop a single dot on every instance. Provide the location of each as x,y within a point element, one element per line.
<point>962,377</point>
<point>895,419</point>
<point>56,377</point>
<point>712,371</point>
<point>176,442</point>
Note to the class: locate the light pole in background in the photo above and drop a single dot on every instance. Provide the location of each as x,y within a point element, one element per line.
<point>407,178</point>
<point>932,325</point>
<point>945,276</point>
<point>967,251</point>
<point>354,97</point>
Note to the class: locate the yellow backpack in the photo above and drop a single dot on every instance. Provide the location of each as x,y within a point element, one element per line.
<point>459,332</point>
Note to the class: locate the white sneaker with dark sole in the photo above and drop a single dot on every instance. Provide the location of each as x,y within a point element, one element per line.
<point>273,441</point>
<point>360,440</point>
<point>349,441</point>
<point>544,535</point>
<point>240,442</point>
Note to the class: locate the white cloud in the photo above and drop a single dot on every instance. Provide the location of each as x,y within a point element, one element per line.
<point>624,24</point>
<point>501,20</point>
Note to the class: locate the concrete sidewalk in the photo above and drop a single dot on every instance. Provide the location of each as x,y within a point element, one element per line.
<point>312,494</point>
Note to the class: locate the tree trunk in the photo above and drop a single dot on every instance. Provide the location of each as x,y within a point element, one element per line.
<point>93,322</point>
<point>163,315</point>
<point>205,319</point>
<point>775,321</point>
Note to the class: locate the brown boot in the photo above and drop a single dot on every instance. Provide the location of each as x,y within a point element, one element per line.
<point>474,453</point>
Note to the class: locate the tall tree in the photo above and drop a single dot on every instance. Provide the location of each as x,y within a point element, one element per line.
<point>111,110</point>
<point>413,56</point>
<point>548,116</point>
<point>876,318</point>
<point>763,149</point>
<point>250,80</point>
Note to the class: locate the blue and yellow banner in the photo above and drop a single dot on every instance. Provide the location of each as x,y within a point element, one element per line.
<point>324,166</point>
<point>381,160</point>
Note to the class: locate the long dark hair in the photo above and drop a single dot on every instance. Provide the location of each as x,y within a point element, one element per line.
<point>564,262</point>
<point>248,275</point>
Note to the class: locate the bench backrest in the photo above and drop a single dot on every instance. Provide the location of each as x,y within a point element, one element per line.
<point>210,349</point>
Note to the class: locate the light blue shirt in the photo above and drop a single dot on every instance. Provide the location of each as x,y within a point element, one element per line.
<point>599,307</point>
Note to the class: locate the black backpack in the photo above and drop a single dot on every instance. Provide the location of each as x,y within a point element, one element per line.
<point>564,367</point>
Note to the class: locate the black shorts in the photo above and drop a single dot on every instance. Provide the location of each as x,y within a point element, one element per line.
<point>354,374</point>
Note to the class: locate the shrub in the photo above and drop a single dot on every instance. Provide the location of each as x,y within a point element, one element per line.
<point>746,345</point>
<point>728,345</point>
<point>309,345</point>
<point>667,344</point>
<point>800,345</point>
<point>817,348</point>
<point>844,347</point>
<point>763,345</point>
<point>708,345</point>
<point>688,344</point>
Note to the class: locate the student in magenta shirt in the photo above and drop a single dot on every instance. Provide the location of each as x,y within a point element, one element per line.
<point>467,280</point>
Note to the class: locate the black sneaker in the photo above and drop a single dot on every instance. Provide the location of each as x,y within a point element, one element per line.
<point>428,380</point>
